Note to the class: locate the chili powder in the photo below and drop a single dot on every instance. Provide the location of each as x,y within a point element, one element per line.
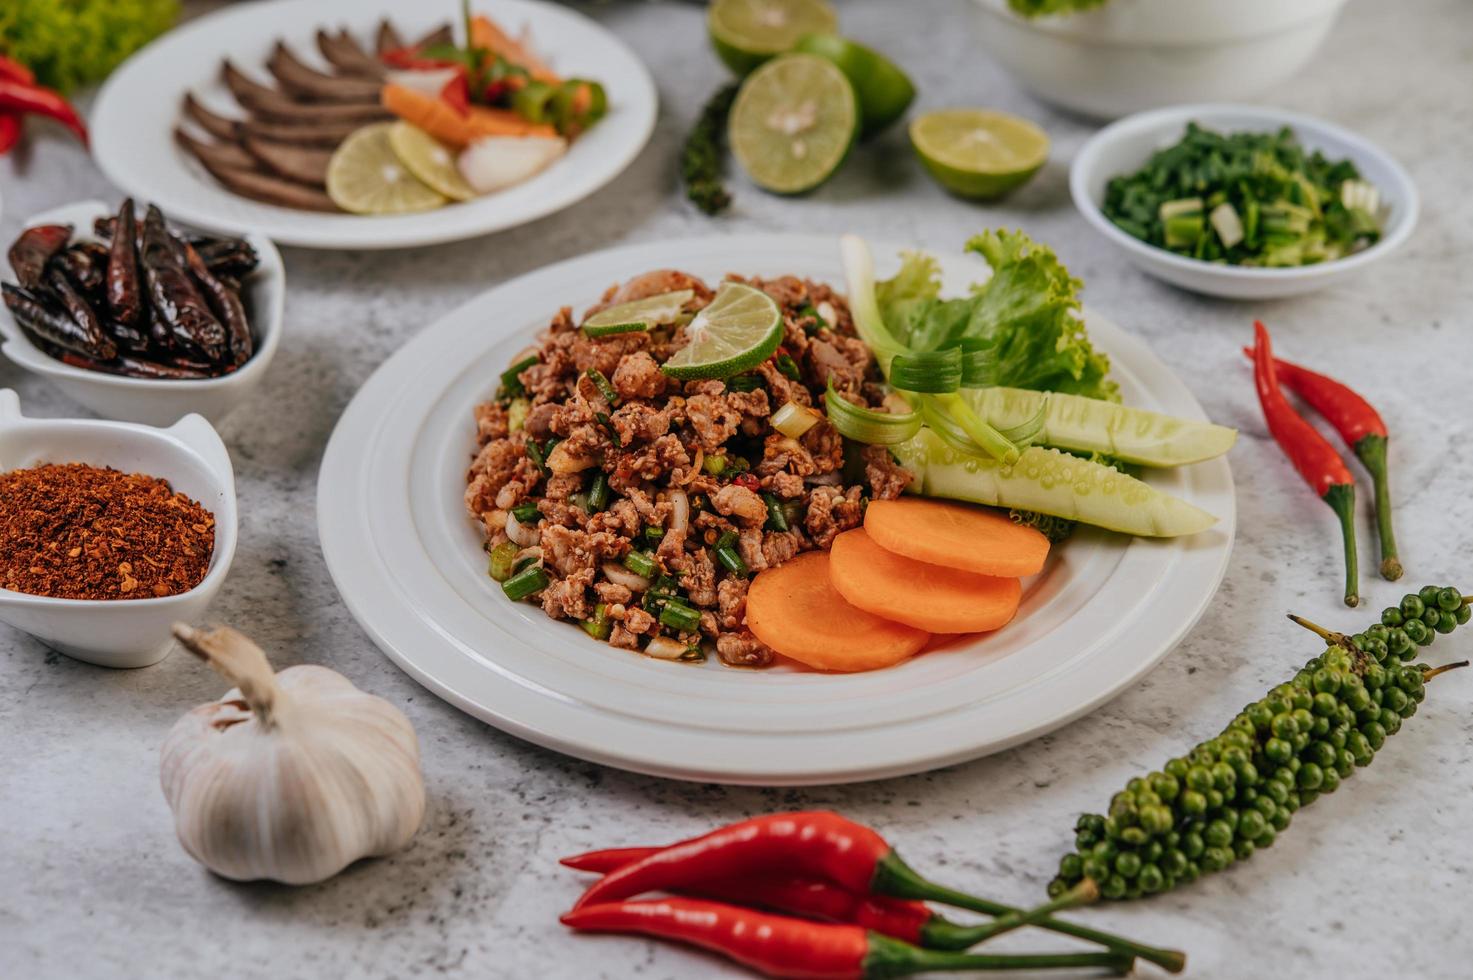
<point>74,531</point>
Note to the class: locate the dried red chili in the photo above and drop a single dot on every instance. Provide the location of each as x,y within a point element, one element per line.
<point>74,531</point>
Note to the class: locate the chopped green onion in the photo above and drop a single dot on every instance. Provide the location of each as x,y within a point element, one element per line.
<point>744,382</point>
<point>728,556</point>
<point>509,378</point>
<point>1024,433</point>
<point>614,328</point>
<point>640,563</point>
<point>602,418</point>
<point>652,534</point>
<point>526,513</point>
<point>525,583</point>
<point>793,511</point>
<point>979,362</point>
<point>1227,224</point>
<point>580,500</point>
<point>809,311</point>
<point>788,367</point>
<point>665,648</point>
<point>867,425</point>
<point>1360,194</point>
<point>534,453</point>
<point>598,492</point>
<point>516,414</point>
<point>503,556</point>
<point>1183,230</point>
<point>934,372</point>
<point>792,420</point>
<point>679,616</point>
<point>1181,206</point>
<point>714,465</point>
<point>599,626</point>
<point>776,519</point>
<point>602,384</point>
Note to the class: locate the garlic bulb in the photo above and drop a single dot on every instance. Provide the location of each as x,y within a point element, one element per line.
<point>289,776</point>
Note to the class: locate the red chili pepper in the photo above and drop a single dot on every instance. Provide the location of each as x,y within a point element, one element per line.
<point>1360,425</point>
<point>9,132</point>
<point>782,947</point>
<point>819,845</point>
<point>22,98</point>
<point>15,71</point>
<point>1311,454</point>
<point>748,481</point>
<point>457,94</point>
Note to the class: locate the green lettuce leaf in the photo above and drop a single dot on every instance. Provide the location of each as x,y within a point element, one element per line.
<point>1024,321</point>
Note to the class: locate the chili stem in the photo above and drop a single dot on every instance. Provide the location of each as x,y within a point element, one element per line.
<point>1341,498</point>
<point>890,958</point>
<point>940,934</point>
<point>894,877</point>
<point>1371,450</point>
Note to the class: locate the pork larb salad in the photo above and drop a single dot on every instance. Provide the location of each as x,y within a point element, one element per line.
<point>640,467</point>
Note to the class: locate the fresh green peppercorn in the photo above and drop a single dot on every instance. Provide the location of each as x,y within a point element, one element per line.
<point>1128,864</point>
<point>1310,776</point>
<point>1412,607</point>
<point>1391,616</point>
<point>1151,879</point>
<point>1113,887</point>
<point>1093,867</point>
<point>1330,780</point>
<point>1216,858</point>
<point>1218,834</point>
<point>1243,849</point>
<point>1071,866</point>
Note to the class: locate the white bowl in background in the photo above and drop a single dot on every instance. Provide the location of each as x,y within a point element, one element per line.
<point>190,455</point>
<point>1124,147</point>
<point>145,400</point>
<point>1131,55</point>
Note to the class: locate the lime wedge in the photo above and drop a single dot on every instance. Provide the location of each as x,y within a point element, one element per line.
<point>883,90</point>
<point>365,177</point>
<point>738,329</point>
<point>792,123</point>
<point>430,160</point>
<point>977,153</point>
<point>746,33</point>
<point>638,314</point>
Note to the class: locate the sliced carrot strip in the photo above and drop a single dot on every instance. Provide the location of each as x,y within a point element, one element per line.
<point>438,118</point>
<point>929,597</point>
<point>796,610</point>
<point>956,535</point>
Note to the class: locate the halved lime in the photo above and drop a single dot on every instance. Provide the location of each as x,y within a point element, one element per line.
<point>738,329</point>
<point>883,90</point>
<point>746,33</point>
<point>430,160</point>
<point>365,177</point>
<point>638,314</point>
<point>978,153</point>
<point>792,123</point>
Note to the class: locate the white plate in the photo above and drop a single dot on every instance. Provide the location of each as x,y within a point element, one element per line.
<point>410,566</point>
<point>135,115</point>
<point>1125,146</point>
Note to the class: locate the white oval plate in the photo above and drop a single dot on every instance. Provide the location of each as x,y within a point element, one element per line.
<point>410,566</point>
<point>135,115</point>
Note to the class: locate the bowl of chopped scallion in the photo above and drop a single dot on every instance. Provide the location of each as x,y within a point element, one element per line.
<point>1244,202</point>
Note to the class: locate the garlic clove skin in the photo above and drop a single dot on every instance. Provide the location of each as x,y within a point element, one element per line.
<point>289,777</point>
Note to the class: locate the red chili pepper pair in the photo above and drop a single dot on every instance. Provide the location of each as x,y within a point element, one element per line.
<point>20,96</point>
<point>1359,425</point>
<point>817,865</point>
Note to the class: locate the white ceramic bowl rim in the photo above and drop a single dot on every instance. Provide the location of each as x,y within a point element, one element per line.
<point>267,324</point>
<point>1142,25</point>
<point>1397,230</point>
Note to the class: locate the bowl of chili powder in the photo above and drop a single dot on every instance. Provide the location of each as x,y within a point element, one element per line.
<point>111,531</point>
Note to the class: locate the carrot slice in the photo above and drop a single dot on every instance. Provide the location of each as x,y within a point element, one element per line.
<point>486,33</point>
<point>796,610</point>
<point>438,118</point>
<point>929,597</point>
<point>957,536</point>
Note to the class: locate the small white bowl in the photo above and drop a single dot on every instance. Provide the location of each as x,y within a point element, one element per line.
<point>190,455</point>
<point>1125,146</point>
<point>149,401</point>
<point>1131,55</point>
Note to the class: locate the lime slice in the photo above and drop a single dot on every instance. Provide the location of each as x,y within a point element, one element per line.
<point>365,177</point>
<point>430,160</point>
<point>738,329</point>
<point>746,33</point>
<point>793,122</point>
<point>638,314</point>
<point>977,153</point>
<point>883,90</point>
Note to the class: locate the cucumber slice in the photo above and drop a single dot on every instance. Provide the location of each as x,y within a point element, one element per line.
<point>1050,482</point>
<point>1090,425</point>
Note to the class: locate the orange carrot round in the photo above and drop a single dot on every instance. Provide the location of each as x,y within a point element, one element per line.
<point>928,597</point>
<point>796,610</point>
<point>957,536</point>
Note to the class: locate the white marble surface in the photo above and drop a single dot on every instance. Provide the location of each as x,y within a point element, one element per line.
<point>1373,882</point>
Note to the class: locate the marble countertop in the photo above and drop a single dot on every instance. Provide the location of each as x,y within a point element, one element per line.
<point>1371,883</point>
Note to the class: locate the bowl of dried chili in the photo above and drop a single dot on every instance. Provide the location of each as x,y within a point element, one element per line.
<point>111,531</point>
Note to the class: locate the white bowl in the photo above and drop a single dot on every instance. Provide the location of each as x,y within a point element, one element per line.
<point>1131,55</point>
<point>146,400</point>
<point>1125,146</point>
<point>190,455</point>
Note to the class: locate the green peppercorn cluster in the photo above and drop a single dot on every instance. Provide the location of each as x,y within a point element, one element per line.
<point>1233,794</point>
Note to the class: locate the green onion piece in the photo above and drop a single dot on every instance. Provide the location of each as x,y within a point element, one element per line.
<point>503,556</point>
<point>1181,206</point>
<point>598,626</point>
<point>580,500</point>
<point>728,556</point>
<point>714,465</point>
<point>867,425</point>
<point>534,453</point>
<point>602,384</point>
<point>598,492</point>
<point>1227,224</point>
<point>516,414</point>
<point>640,563</point>
<point>933,372</point>
<point>526,513</point>
<point>525,583</point>
<point>679,616</point>
<point>776,519</point>
<point>1024,433</point>
<point>654,535</point>
<point>744,382</point>
<point>532,101</point>
<point>793,511</point>
<point>959,427</point>
<point>509,378</point>
<point>608,426</point>
<point>792,419</point>
<point>1183,230</point>
<point>809,311</point>
<point>613,328</point>
<point>979,362</point>
<point>788,367</point>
